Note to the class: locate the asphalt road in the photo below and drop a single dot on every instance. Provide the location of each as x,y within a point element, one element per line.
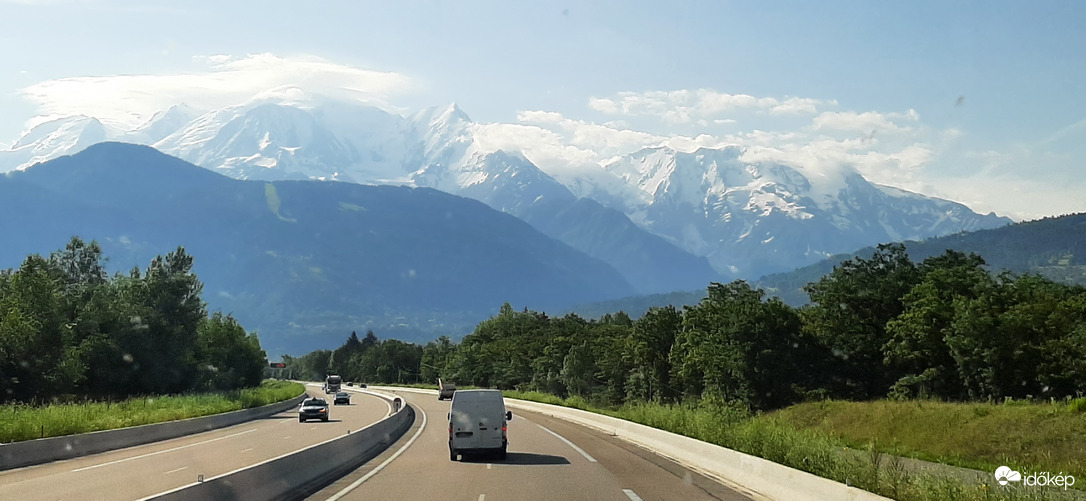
<point>146,470</point>
<point>548,459</point>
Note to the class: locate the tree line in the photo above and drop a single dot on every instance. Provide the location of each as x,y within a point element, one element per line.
<point>943,328</point>
<point>67,328</point>
<point>366,359</point>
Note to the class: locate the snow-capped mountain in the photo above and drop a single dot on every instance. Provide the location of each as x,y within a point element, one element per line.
<point>658,215</point>
<point>52,139</point>
<point>766,217</point>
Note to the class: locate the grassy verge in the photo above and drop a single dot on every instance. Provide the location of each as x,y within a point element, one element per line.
<point>23,422</point>
<point>776,439</point>
<point>1027,436</point>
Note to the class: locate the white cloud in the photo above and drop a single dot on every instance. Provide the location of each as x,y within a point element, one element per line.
<point>867,122</point>
<point>606,140</point>
<point>127,100</point>
<point>798,106</point>
<point>686,106</point>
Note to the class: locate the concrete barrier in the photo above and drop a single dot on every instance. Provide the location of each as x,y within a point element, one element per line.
<point>44,450</point>
<point>298,474</point>
<point>760,478</point>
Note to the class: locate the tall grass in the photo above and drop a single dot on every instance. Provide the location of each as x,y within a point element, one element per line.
<point>25,422</point>
<point>1047,436</point>
<point>819,453</point>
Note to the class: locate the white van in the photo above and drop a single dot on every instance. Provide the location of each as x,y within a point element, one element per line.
<point>478,423</point>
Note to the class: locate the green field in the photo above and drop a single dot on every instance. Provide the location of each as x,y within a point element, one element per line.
<point>1027,436</point>
<point>25,422</point>
<point>812,437</point>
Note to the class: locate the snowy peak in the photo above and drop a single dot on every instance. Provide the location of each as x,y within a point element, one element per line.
<point>53,139</point>
<point>162,124</point>
<point>435,117</point>
<point>753,218</point>
<point>747,216</point>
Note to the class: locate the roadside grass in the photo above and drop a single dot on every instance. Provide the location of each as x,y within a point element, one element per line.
<point>1049,436</point>
<point>25,422</point>
<point>773,437</point>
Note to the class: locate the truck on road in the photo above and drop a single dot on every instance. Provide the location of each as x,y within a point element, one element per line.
<point>445,389</point>
<point>332,383</point>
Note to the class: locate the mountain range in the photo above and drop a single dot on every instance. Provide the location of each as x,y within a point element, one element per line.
<point>665,219</point>
<point>1052,247</point>
<point>301,262</point>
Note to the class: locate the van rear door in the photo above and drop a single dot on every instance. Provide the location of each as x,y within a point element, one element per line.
<point>477,421</point>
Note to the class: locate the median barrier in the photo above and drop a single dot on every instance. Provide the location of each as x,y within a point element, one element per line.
<point>298,474</point>
<point>760,478</point>
<point>44,450</point>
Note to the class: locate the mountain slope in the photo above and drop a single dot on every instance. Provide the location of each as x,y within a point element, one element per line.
<point>301,261</point>
<point>687,217</point>
<point>1052,247</point>
<point>753,218</point>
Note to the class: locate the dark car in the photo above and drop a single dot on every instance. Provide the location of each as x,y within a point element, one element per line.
<point>342,398</point>
<point>313,408</point>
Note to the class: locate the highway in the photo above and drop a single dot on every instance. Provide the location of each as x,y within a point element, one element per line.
<point>146,470</point>
<point>548,459</point>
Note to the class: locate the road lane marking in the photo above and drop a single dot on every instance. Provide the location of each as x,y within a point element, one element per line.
<point>482,497</point>
<point>177,470</point>
<point>571,444</point>
<point>632,495</point>
<point>288,436</point>
<point>353,486</point>
<point>488,465</point>
<point>247,450</point>
<point>162,452</point>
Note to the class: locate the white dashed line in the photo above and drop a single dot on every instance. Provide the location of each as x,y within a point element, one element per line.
<point>177,470</point>
<point>162,452</point>
<point>571,444</point>
<point>288,436</point>
<point>632,495</point>
<point>247,450</point>
<point>482,497</point>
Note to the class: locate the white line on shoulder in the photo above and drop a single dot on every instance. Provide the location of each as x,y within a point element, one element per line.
<point>571,444</point>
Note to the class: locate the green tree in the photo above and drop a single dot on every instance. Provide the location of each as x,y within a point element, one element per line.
<point>38,359</point>
<point>849,312</point>
<point>436,358</point>
<point>736,347</point>
<point>229,357</point>
<point>652,337</point>
<point>917,346</point>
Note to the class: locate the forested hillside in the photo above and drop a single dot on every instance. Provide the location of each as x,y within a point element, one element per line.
<point>884,326</point>
<point>1053,247</point>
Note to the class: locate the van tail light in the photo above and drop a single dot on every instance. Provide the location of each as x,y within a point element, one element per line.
<point>504,429</point>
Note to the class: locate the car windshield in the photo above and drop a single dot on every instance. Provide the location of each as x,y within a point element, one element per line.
<point>846,236</point>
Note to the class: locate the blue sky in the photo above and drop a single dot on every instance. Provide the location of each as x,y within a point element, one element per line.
<point>979,102</point>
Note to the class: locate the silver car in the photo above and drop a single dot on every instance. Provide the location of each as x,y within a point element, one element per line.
<point>313,408</point>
